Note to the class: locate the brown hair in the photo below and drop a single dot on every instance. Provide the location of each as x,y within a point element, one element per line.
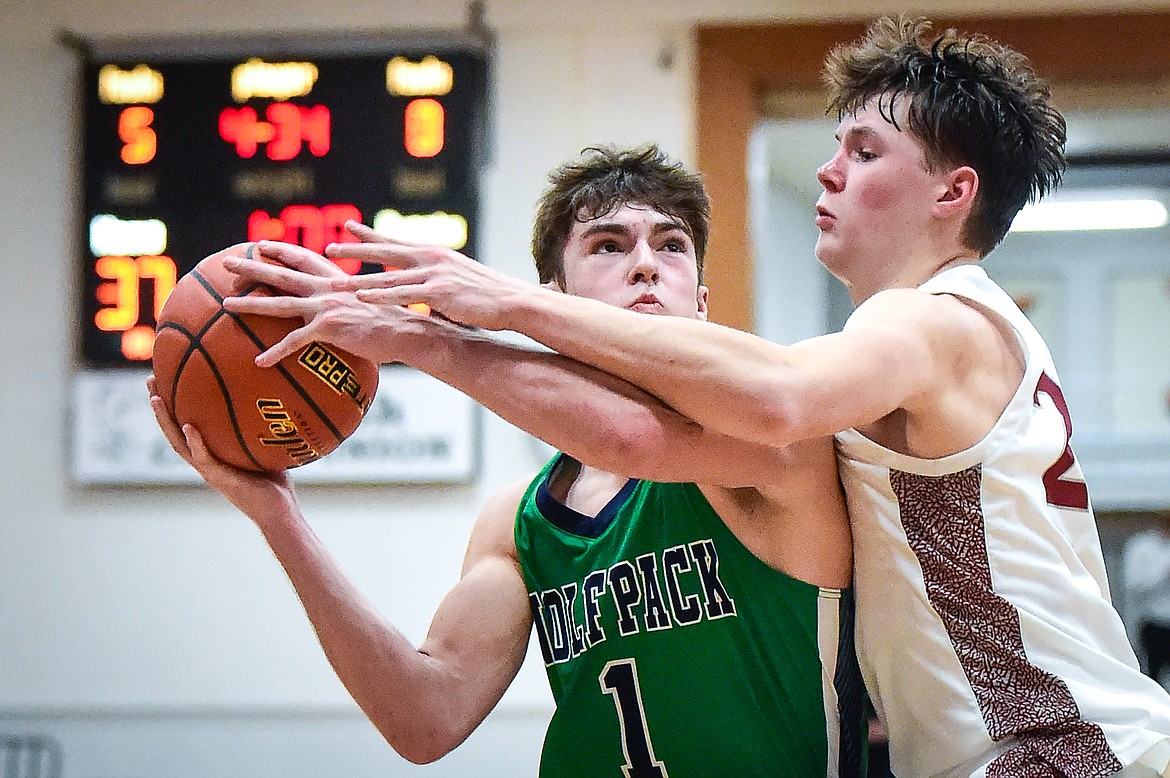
<point>605,178</point>
<point>970,100</point>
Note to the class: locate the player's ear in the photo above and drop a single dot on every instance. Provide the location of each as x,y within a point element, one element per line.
<point>703,294</point>
<point>960,187</point>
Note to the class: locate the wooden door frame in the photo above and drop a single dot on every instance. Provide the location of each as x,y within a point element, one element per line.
<point>1091,59</point>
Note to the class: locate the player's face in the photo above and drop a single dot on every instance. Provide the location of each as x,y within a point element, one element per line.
<point>877,198</point>
<point>636,258</point>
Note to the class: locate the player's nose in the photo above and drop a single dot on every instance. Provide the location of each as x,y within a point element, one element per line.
<point>829,176</point>
<point>643,264</point>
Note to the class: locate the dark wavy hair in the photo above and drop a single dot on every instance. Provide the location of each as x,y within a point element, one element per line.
<point>970,101</point>
<point>605,178</point>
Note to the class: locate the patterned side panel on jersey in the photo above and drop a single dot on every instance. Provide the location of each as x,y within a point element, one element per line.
<point>1076,749</point>
<point>943,520</point>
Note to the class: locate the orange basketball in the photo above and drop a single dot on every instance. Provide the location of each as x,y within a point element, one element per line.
<point>255,418</point>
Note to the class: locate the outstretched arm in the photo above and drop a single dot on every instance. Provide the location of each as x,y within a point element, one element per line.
<point>599,419</point>
<point>724,379</point>
<point>426,700</point>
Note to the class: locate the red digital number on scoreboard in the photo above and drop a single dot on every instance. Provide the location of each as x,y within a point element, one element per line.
<point>309,226</point>
<point>424,131</point>
<point>139,140</point>
<point>120,294</point>
<point>285,130</point>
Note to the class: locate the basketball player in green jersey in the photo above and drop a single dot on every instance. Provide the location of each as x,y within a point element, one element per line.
<point>687,630</point>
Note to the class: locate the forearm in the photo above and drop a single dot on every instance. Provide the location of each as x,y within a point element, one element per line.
<point>597,418</point>
<point>725,380</point>
<point>722,379</point>
<point>424,701</point>
<point>412,699</point>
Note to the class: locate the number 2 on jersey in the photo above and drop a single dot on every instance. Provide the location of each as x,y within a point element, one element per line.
<point>619,679</point>
<point>1060,492</point>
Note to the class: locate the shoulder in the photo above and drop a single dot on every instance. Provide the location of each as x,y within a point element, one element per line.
<point>956,361</point>
<point>932,330</point>
<point>493,533</point>
<point>915,312</point>
<point>508,499</point>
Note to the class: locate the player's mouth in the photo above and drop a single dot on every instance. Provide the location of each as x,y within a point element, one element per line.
<point>824,218</point>
<point>645,303</point>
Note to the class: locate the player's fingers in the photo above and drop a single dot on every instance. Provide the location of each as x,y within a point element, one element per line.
<point>169,428</point>
<point>212,469</point>
<point>286,279</point>
<point>200,456</point>
<point>365,234</point>
<point>387,252</point>
<point>398,295</point>
<point>289,344</point>
<point>385,280</point>
<point>369,235</point>
<point>282,307</point>
<point>299,258</point>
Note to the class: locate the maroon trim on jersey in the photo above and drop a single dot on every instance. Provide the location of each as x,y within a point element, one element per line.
<point>943,520</point>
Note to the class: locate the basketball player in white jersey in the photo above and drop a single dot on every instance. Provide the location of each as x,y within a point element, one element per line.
<point>985,627</point>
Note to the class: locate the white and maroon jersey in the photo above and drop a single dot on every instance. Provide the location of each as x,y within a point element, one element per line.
<point>985,629</point>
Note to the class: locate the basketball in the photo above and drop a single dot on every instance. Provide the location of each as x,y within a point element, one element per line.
<point>261,419</point>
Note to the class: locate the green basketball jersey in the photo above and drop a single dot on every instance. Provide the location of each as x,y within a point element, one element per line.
<point>673,651</point>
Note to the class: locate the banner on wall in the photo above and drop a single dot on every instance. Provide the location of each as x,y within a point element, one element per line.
<point>417,430</point>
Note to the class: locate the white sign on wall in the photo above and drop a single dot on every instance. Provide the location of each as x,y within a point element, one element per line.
<point>417,430</point>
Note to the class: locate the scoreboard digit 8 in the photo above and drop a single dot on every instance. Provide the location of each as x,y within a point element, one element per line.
<point>189,151</point>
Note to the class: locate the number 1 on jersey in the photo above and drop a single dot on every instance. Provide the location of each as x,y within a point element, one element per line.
<point>619,679</point>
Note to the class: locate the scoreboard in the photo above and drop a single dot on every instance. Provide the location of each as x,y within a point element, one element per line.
<point>190,145</point>
<point>185,152</point>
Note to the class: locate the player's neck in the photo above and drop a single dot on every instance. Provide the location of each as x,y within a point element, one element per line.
<point>584,489</point>
<point>965,257</point>
<point>908,274</point>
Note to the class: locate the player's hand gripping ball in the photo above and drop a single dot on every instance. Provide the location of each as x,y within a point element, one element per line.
<point>255,418</point>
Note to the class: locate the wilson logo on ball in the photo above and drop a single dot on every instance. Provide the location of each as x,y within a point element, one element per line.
<point>285,432</point>
<point>337,375</point>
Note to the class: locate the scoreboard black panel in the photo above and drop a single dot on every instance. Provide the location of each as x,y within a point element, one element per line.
<point>185,154</point>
